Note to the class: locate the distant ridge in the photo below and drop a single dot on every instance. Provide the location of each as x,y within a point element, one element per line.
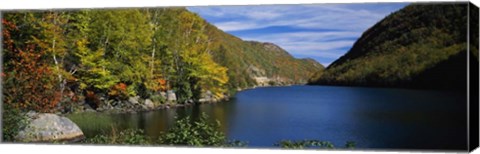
<point>419,46</point>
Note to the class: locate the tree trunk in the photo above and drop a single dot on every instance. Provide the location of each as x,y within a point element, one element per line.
<point>57,67</point>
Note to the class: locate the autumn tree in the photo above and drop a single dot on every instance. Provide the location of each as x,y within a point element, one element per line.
<point>28,81</point>
<point>51,39</point>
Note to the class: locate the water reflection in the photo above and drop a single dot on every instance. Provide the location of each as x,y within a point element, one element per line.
<point>377,118</point>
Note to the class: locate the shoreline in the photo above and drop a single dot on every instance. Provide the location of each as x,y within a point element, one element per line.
<point>140,108</point>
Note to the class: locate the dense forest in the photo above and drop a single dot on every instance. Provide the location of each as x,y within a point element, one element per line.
<point>55,58</point>
<point>419,46</point>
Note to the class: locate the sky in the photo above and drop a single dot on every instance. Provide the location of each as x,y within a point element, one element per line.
<point>323,32</point>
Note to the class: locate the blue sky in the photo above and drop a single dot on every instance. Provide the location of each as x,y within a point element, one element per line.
<point>323,32</point>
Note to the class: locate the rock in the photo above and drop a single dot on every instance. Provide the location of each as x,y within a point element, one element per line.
<point>101,109</point>
<point>87,107</point>
<point>109,103</point>
<point>163,94</point>
<point>171,97</point>
<point>116,103</point>
<point>207,97</point>
<point>144,107</point>
<point>149,104</point>
<point>49,127</point>
<point>133,100</point>
<point>202,100</point>
<point>208,93</point>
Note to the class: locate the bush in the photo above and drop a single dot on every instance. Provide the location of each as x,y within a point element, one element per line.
<point>158,99</point>
<point>12,122</point>
<point>201,133</point>
<point>119,91</point>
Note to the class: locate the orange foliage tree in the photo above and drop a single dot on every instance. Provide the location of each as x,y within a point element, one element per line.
<point>28,80</point>
<point>119,91</point>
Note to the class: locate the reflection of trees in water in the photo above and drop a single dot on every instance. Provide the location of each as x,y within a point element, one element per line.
<point>215,112</point>
<point>220,115</point>
<point>155,122</point>
<point>124,121</point>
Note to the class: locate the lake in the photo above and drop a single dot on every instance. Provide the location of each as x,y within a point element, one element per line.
<point>373,118</point>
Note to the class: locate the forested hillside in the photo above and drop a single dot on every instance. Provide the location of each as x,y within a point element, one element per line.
<point>52,58</point>
<point>259,64</point>
<point>419,46</point>
<point>253,63</point>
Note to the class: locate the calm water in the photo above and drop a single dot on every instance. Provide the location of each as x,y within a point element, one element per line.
<point>374,118</point>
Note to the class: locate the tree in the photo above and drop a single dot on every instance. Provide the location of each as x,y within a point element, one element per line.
<point>28,80</point>
<point>51,26</point>
<point>125,37</point>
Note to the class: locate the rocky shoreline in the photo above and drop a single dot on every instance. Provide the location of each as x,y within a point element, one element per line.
<point>137,104</point>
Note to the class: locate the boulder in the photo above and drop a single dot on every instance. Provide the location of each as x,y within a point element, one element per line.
<point>47,127</point>
<point>149,104</point>
<point>133,100</point>
<point>171,97</point>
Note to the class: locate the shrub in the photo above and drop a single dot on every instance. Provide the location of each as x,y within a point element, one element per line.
<point>119,91</point>
<point>158,99</point>
<point>12,122</point>
<point>200,133</point>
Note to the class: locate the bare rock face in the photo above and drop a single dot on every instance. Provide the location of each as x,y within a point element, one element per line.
<point>46,127</point>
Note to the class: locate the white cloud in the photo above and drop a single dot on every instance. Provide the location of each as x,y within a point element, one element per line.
<point>315,44</point>
<point>336,25</point>
<point>327,16</point>
<point>235,26</point>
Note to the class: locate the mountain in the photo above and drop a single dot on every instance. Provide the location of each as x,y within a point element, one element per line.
<point>252,63</point>
<point>419,46</point>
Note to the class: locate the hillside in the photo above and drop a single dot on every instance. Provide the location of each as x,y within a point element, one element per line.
<point>253,63</point>
<point>419,46</point>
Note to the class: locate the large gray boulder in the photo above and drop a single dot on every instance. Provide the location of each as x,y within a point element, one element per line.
<point>47,127</point>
